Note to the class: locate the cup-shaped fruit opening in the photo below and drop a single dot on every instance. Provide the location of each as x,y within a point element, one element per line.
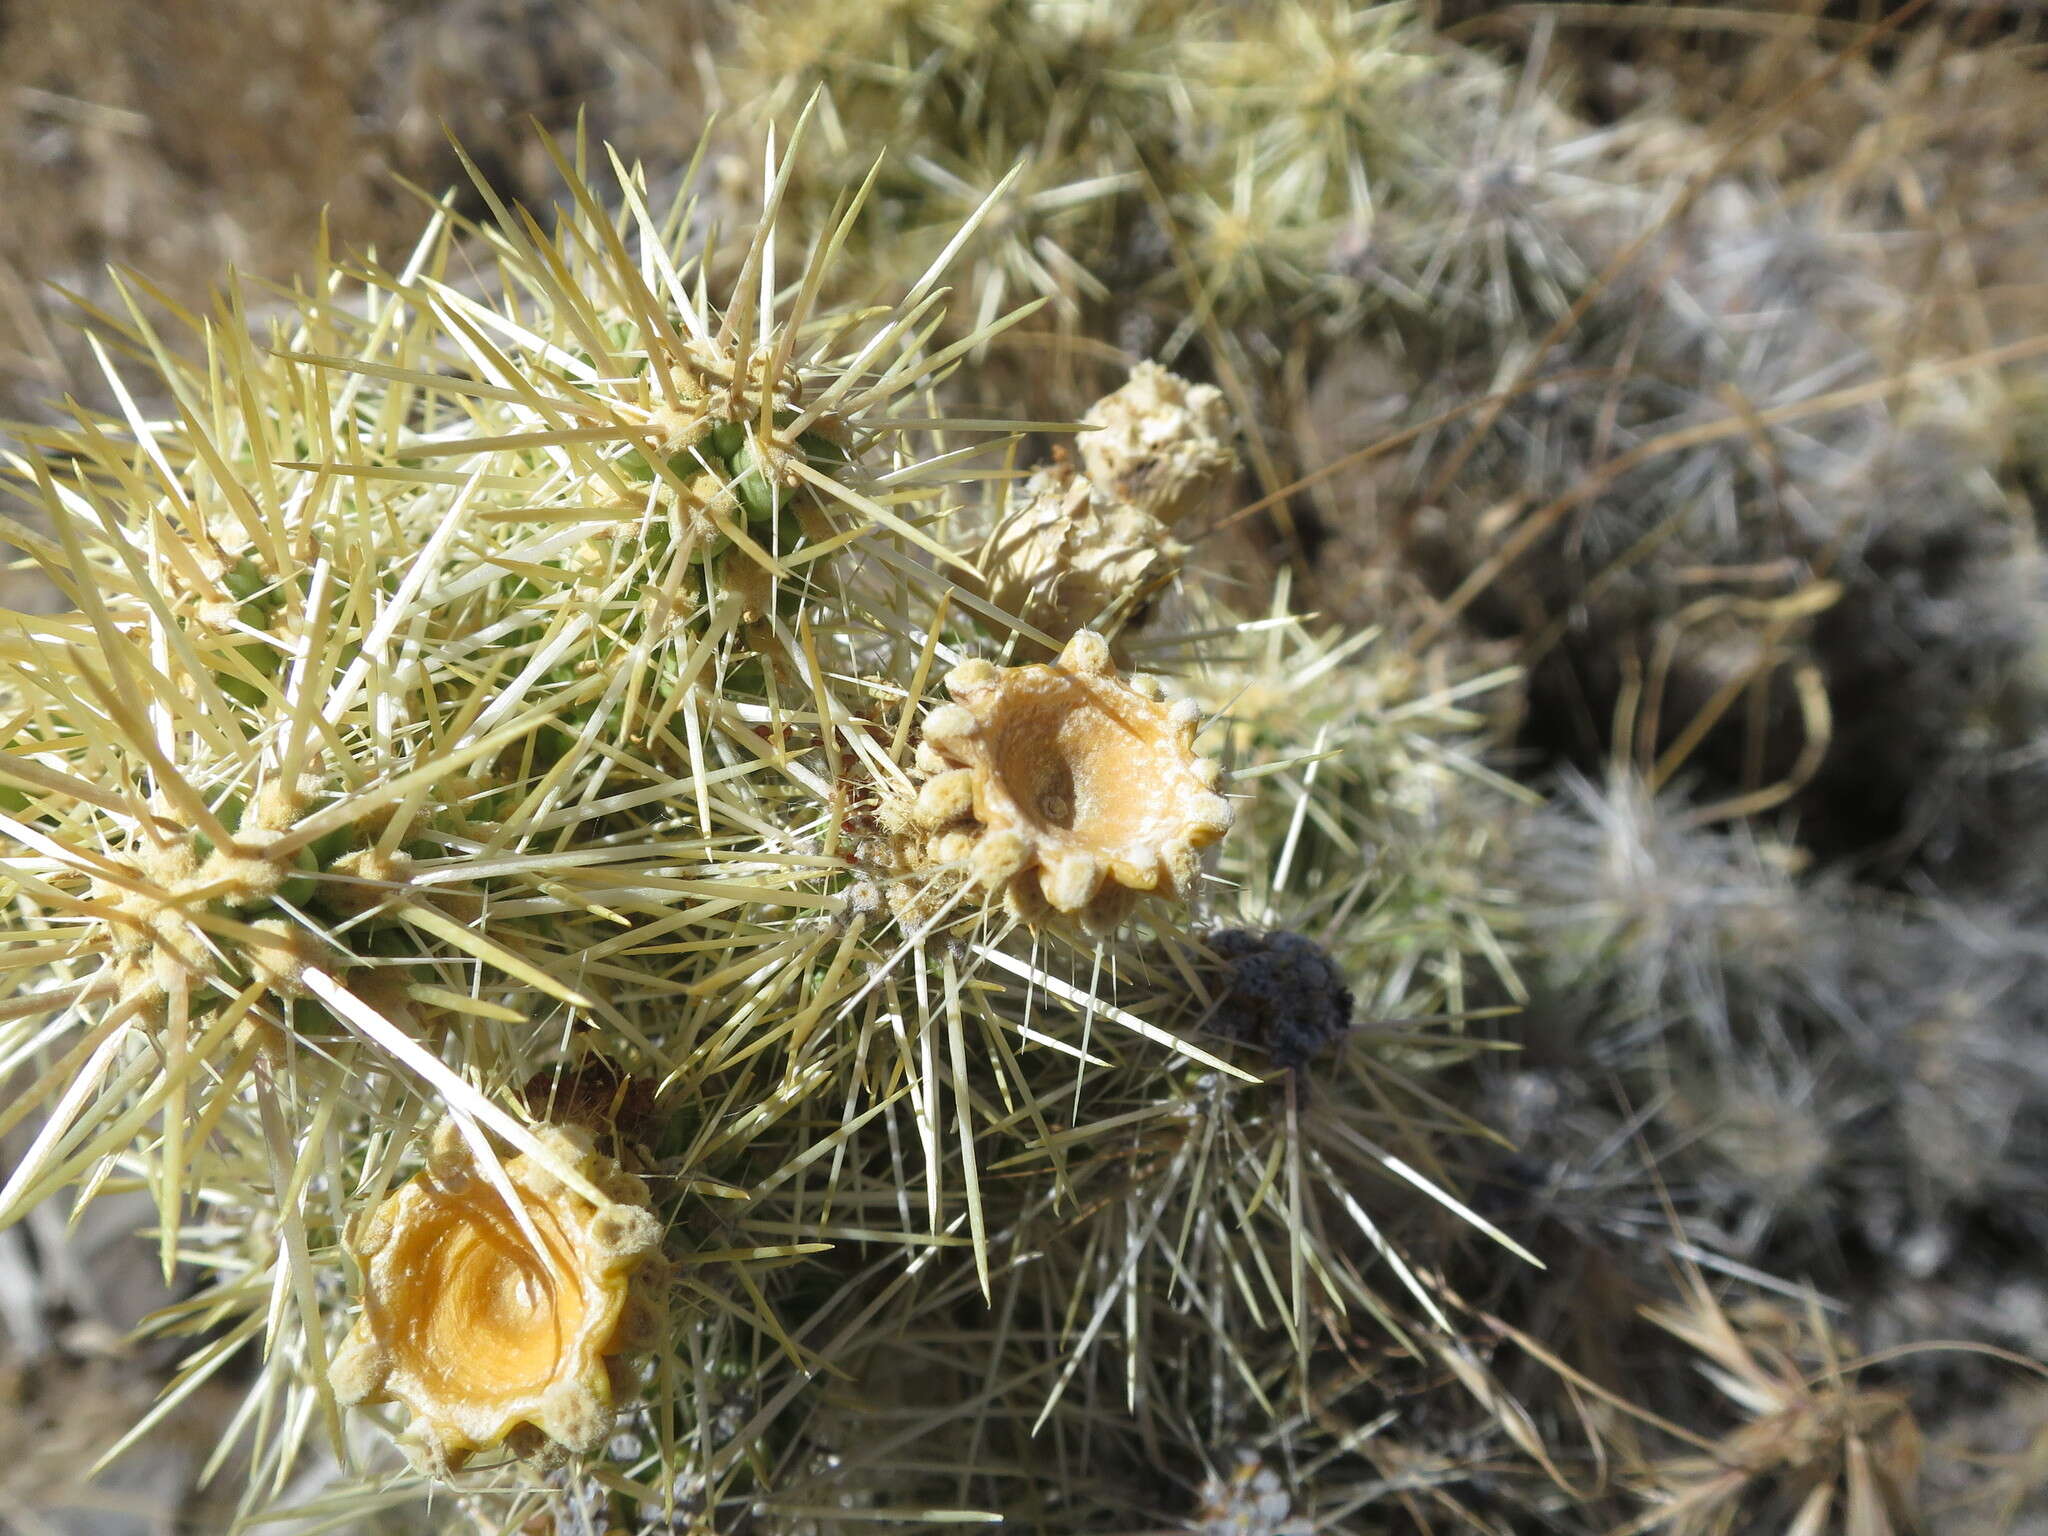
<point>483,1318</point>
<point>1081,767</point>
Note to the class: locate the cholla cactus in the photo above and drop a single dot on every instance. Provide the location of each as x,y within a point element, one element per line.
<point>352,764</point>
<point>703,896</point>
<point>1161,166</point>
<point>483,708</point>
<point>284,759</point>
<point>1631,892</point>
<point>1023,102</point>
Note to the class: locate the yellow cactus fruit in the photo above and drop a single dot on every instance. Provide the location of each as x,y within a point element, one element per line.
<point>1065,787</point>
<point>485,1339</point>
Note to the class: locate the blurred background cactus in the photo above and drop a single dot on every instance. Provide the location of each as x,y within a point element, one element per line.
<point>1157,766</point>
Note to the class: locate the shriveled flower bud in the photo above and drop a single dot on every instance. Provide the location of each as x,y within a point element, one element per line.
<point>1087,549</point>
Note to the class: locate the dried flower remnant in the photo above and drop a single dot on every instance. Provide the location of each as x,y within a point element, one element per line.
<point>1067,557</point>
<point>1086,548</point>
<point>1281,992</point>
<point>1159,444</point>
<point>1064,787</point>
<point>484,1339</point>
